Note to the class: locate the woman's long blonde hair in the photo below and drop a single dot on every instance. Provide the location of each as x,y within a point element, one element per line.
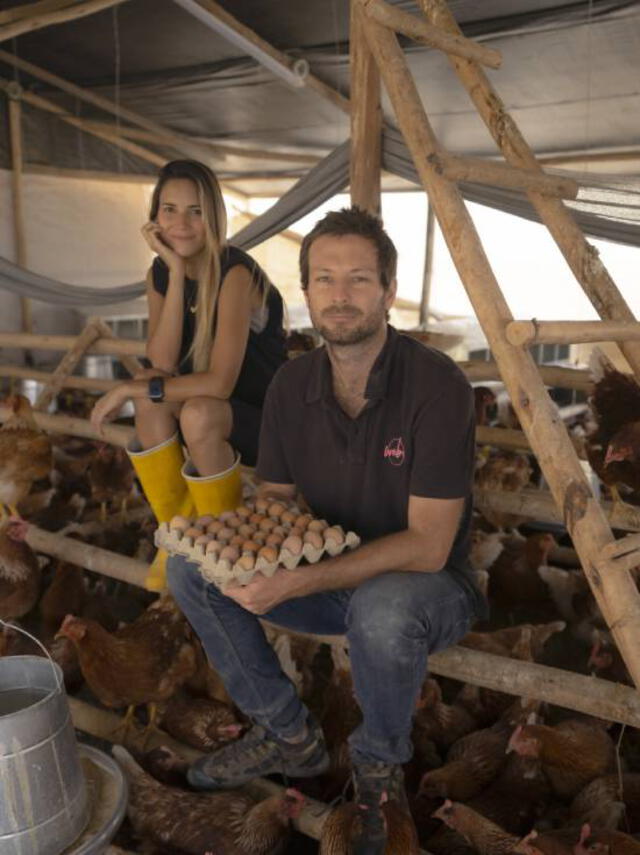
<point>214,217</point>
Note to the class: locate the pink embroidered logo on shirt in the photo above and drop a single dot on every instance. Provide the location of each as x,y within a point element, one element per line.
<point>394,451</point>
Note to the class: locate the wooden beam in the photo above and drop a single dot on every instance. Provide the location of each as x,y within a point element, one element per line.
<point>40,19</point>
<point>526,333</point>
<point>17,13</point>
<point>71,382</point>
<point>17,195</point>
<point>366,119</point>
<point>67,364</point>
<point>427,270</point>
<point>115,434</point>
<point>581,256</point>
<point>89,174</point>
<point>552,375</point>
<point>115,346</point>
<point>616,593</point>
<point>421,31</point>
<point>495,174</point>
<point>129,360</point>
<point>311,81</point>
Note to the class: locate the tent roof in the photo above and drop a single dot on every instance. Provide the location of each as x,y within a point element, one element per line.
<point>569,78</point>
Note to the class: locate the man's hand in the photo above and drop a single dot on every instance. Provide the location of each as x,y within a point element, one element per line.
<point>262,594</point>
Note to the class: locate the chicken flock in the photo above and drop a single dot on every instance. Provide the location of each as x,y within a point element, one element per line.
<point>492,773</point>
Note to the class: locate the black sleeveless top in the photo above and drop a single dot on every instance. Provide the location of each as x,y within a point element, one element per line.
<point>265,351</point>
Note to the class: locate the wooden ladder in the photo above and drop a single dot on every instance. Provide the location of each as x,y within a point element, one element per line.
<point>607,563</point>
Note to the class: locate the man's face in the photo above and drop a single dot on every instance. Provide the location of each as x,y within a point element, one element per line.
<point>346,300</point>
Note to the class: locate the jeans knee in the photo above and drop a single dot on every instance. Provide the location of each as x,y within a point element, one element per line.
<point>381,611</point>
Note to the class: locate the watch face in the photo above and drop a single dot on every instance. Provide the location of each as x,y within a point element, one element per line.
<point>156,389</point>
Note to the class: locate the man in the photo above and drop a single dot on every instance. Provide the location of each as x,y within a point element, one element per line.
<point>377,433</point>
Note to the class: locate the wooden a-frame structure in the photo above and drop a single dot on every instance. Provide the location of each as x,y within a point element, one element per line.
<point>377,55</point>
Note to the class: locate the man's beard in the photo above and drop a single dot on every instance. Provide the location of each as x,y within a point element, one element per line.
<point>369,325</point>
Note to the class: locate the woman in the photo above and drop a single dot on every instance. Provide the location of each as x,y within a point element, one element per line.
<point>215,341</point>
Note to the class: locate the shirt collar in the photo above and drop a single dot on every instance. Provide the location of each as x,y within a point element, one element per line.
<point>320,384</point>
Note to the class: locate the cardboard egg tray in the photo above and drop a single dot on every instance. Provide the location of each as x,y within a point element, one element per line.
<point>311,539</point>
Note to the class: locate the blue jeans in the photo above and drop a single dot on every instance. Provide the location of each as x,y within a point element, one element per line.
<point>392,622</point>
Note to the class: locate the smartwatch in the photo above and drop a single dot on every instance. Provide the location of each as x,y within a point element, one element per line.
<point>156,390</point>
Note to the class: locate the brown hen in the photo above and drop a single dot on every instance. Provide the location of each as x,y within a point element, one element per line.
<point>500,470</point>
<point>196,823</point>
<point>142,663</point>
<point>612,801</point>
<point>20,575</point>
<point>25,453</point>
<point>597,842</point>
<point>485,836</point>
<point>202,723</point>
<point>111,477</point>
<point>343,823</point>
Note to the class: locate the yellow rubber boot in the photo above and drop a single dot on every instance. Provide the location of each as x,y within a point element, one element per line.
<point>214,494</point>
<point>159,470</point>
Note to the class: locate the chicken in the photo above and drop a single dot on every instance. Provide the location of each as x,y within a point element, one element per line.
<point>224,823</point>
<point>513,579</point>
<point>567,588</point>
<point>606,843</point>
<point>20,576</point>
<point>513,641</point>
<point>111,477</point>
<point>612,801</point>
<point>613,447</point>
<point>343,822</point>
<point>571,754</point>
<point>485,836</point>
<point>25,453</point>
<point>558,842</point>
<point>485,548</point>
<point>486,405</point>
<point>500,470</point>
<point>605,660</point>
<point>202,723</point>
<point>142,663</point>
<point>442,723</point>
<point>65,595</point>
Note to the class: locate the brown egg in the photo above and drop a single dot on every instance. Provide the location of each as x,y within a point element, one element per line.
<point>250,546</point>
<point>193,531</point>
<point>234,521</point>
<point>334,533</point>
<point>267,525</point>
<point>215,526</point>
<point>256,519</point>
<point>179,523</point>
<point>288,517</point>
<point>314,538</point>
<point>269,554</point>
<point>276,509</point>
<point>279,529</point>
<point>237,540</point>
<point>226,515</point>
<point>246,530</point>
<point>274,539</point>
<point>202,540</point>
<point>231,553</point>
<point>215,547</point>
<point>204,521</point>
<point>302,521</point>
<point>259,537</point>
<point>262,505</point>
<point>247,561</point>
<point>243,512</point>
<point>317,525</point>
<point>225,534</point>
<point>293,543</point>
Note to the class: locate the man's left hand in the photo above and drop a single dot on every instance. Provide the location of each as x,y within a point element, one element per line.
<point>262,594</point>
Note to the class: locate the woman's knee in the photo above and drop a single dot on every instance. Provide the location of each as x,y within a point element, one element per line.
<point>205,418</point>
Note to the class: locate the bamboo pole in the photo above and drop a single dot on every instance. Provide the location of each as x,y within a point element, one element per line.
<point>17,194</point>
<point>540,505</point>
<point>114,346</point>
<point>525,333</point>
<point>58,16</point>
<point>17,13</point>
<point>615,593</point>
<point>311,81</point>
<point>68,362</point>
<point>94,384</point>
<point>479,171</point>
<point>582,257</point>
<point>552,375</point>
<point>115,434</point>
<point>421,31</point>
<point>366,119</point>
<point>427,271</point>
<point>131,364</point>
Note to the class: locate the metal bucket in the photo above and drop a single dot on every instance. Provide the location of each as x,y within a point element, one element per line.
<point>43,794</point>
<point>31,389</point>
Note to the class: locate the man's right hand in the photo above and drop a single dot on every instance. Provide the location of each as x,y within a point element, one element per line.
<point>152,233</point>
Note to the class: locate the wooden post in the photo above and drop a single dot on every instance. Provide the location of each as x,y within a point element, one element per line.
<point>15,134</point>
<point>41,18</point>
<point>366,119</point>
<point>582,257</point>
<point>115,434</point>
<point>68,362</point>
<point>129,361</point>
<point>427,271</point>
<point>615,593</point>
<point>526,333</point>
<point>119,346</point>
<point>552,375</point>
<point>95,384</point>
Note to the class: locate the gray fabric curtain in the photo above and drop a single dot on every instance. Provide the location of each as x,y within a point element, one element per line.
<point>604,209</point>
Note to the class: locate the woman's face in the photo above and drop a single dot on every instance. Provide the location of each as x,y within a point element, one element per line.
<point>180,217</point>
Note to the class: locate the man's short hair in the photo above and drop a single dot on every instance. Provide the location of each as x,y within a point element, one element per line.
<point>353,221</point>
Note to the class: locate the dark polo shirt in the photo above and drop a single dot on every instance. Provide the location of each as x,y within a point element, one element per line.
<point>415,436</point>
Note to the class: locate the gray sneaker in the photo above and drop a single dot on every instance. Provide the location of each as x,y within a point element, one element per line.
<point>260,753</point>
<point>374,784</point>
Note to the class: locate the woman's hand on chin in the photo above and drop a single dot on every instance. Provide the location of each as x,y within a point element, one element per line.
<point>152,233</point>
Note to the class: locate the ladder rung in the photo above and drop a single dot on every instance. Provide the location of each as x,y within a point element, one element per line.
<point>422,31</point>
<point>494,173</point>
<point>524,333</point>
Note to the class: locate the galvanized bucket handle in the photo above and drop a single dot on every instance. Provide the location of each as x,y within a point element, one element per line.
<point>59,683</point>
